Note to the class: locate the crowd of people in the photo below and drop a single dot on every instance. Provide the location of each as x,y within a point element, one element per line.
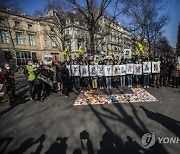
<point>44,79</point>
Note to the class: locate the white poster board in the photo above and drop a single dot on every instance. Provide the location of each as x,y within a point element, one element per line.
<point>127,53</point>
<point>100,70</point>
<point>137,69</point>
<point>75,70</point>
<point>155,67</point>
<point>146,67</point>
<point>115,70</point>
<point>84,70</point>
<point>122,69</point>
<point>93,70</point>
<point>108,70</point>
<point>129,68</point>
<point>47,59</point>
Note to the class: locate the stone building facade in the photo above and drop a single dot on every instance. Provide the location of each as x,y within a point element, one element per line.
<point>23,36</point>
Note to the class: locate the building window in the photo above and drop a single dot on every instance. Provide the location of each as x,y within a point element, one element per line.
<point>23,57</point>
<point>29,26</point>
<point>2,20</point>
<point>4,38</point>
<point>16,23</point>
<point>19,38</point>
<point>53,41</point>
<point>31,39</point>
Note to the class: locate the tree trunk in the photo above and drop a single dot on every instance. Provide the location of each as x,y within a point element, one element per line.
<point>92,45</point>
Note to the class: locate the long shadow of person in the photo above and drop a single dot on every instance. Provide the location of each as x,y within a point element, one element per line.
<point>169,123</point>
<point>107,145</point>
<point>58,147</point>
<point>84,135</point>
<point>77,151</point>
<point>4,142</point>
<point>29,143</point>
<point>131,146</point>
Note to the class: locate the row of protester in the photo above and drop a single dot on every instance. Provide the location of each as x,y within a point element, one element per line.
<point>114,70</point>
<point>74,75</point>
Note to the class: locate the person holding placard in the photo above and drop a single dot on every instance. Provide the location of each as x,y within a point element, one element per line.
<point>122,72</point>
<point>85,75</point>
<point>76,75</point>
<point>137,73</point>
<point>146,72</point>
<point>156,74</point>
<point>93,74</point>
<point>129,73</point>
<point>108,73</point>
<point>100,75</point>
<point>175,73</point>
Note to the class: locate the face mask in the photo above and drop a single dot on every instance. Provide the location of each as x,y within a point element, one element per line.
<point>37,66</point>
<point>8,67</point>
<point>30,64</point>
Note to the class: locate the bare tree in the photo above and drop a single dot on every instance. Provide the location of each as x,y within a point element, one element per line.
<point>92,11</point>
<point>146,20</point>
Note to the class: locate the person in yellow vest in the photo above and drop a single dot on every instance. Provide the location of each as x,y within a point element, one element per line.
<point>30,74</point>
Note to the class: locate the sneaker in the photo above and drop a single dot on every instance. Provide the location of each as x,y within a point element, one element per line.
<point>147,86</point>
<point>144,86</point>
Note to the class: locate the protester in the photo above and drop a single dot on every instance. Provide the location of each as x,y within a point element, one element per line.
<point>175,74</point>
<point>9,82</point>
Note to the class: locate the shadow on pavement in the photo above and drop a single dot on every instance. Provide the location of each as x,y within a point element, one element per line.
<point>4,142</point>
<point>58,147</point>
<point>28,144</point>
<point>20,99</point>
<point>169,123</point>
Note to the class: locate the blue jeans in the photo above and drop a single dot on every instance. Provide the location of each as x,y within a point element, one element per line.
<point>101,81</point>
<point>129,79</point>
<point>146,80</point>
<point>76,82</point>
<point>108,81</point>
<point>122,80</point>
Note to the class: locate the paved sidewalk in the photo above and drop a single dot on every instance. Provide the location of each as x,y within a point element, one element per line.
<point>54,126</point>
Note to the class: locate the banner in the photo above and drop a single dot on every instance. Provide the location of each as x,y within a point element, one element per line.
<point>122,69</point>
<point>137,69</point>
<point>107,70</point>
<point>127,53</point>
<point>69,68</point>
<point>146,67</point>
<point>47,59</point>
<point>100,70</point>
<point>93,70</point>
<point>155,67</point>
<point>75,70</point>
<point>129,68</point>
<point>115,70</point>
<point>84,70</point>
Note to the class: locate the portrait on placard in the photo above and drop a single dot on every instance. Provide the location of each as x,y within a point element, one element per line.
<point>129,68</point>
<point>84,70</point>
<point>100,70</point>
<point>155,67</point>
<point>115,70</point>
<point>122,69</point>
<point>146,67</point>
<point>93,70</point>
<point>137,69</point>
<point>75,70</point>
<point>108,70</point>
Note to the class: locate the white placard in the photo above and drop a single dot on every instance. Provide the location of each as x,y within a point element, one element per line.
<point>108,70</point>
<point>129,68</point>
<point>69,68</point>
<point>93,70</point>
<point>137,69</point>
<point>115,70</point>
<point>75,70</point>
<point>146,67</point>
<point>122,69</point>
<point>100,70</point>
<point>155,67</point>
<point>84,70</point>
